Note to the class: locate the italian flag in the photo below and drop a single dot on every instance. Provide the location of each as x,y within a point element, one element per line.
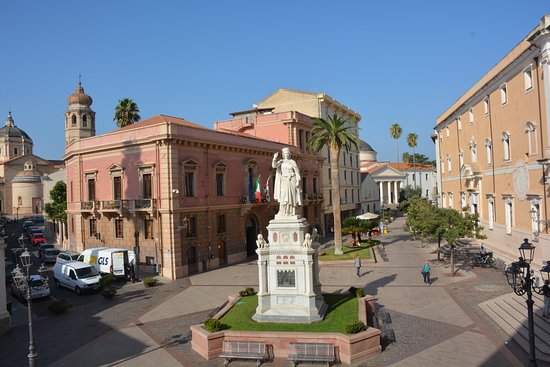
<point>258,191</point>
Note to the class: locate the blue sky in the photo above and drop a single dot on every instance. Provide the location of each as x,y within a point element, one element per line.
<point>399,61</point>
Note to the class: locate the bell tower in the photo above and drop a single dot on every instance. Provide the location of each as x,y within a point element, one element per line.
<point>79,118</point>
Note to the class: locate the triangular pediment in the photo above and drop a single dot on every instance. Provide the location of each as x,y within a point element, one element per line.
<point>28,157</point>
<point>388,172</point>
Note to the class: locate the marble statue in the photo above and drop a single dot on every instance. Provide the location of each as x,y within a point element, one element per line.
<point>287,183</point>
<point>261,242</point>
<point>308,242</point>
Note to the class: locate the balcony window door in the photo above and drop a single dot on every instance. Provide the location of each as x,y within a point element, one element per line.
<point>117,188</point>
<point>91,190</point>
<point>146,186</point>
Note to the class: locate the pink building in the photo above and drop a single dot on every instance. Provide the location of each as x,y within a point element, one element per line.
<point>179,192</point>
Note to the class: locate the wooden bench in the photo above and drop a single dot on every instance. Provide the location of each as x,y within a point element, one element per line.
<point>235,349</point>
<point>311,352</point>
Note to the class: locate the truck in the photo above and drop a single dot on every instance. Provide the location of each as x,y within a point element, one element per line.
<point>108,260</point>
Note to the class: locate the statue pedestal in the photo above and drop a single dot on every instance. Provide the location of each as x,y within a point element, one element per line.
<point>289,288</point>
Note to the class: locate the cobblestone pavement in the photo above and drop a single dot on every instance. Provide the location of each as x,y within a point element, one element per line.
<point>434,325</point>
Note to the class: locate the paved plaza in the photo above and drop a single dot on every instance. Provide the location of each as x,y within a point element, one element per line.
<point>436,325</point>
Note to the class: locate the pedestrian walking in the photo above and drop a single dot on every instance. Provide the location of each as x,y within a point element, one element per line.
<point>426,270</point>
<point>546,293</point>
<point>358,265</point>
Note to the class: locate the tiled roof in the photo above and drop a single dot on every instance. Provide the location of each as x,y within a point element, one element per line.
<point>159,119</point>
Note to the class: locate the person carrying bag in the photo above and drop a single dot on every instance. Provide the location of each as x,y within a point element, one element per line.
<point>426,270</point>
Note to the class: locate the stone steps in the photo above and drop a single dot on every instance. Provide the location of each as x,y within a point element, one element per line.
<point>509,312</point>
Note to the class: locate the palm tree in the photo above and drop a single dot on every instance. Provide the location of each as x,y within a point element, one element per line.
<point>412,138</point>
<point>395,133</point>
<point>335,133</point>
<point>126,112</point>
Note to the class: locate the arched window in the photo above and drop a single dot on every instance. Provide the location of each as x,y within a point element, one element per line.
<point>473,150</point>
<point>506,146</point>
<point>84,120</point>
<point>460,159</point>
<point>221,171</point>
<point>73,120</point>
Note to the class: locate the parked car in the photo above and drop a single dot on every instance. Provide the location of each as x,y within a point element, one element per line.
<point>76,275</point>
<point>27,224</point>
<point>9,269</point>
<point>39,221</point>
<point>65,256</point>
<point>39,288</point>
<point>49,255</point>
<point>37,238</point>
<point>44,246</point>
<point>34,229</point>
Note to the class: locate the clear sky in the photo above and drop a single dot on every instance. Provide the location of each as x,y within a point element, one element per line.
<point>391,61</point>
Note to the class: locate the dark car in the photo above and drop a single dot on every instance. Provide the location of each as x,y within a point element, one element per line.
<point>9,270</point>
<point>39,221</point>
<point>44,246</point>
<point>27,224</point>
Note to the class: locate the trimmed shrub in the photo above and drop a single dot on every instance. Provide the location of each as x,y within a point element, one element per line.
<point>149,282</point>
<point>243,293</point>
<point>250,291</point>
<point>359,292</point>
<point>355,327</point>
<point>60,306</point>
<point>352,291</point>
<point>108,292</point>
<point>107,279</point>
<point>213,325</point>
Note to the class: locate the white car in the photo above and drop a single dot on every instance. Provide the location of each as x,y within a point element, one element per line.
<point>65,256</point>
<point>76,275</point>
<point>39,288</point>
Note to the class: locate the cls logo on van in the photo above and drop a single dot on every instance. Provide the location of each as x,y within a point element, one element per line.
<point>103,261</point>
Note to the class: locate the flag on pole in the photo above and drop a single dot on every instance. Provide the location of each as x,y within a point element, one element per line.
<point>267,197</point>
<point>257,191</point>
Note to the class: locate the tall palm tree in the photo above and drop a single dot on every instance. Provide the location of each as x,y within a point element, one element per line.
<point>412,139</point>
<point>126,112</point>
<point>395,133</point>
<point>335,133</point>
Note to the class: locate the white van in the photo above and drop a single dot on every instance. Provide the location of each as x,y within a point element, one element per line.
<point>108,260</point>
<point>76,275</point>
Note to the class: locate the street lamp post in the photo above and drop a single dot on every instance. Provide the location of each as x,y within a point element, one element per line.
<point>23,283</point>
<point>520,279</point>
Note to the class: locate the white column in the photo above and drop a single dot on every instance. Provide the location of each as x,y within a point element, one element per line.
<point>5,319</point>
<point>395,192</point>
<point>381,184</point>
<point>388,184</point>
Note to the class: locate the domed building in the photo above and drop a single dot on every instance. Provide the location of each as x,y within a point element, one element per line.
<point>22,174</point>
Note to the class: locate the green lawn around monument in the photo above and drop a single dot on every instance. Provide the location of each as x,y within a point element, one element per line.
<point>363,251</point>
<point>342,311</point>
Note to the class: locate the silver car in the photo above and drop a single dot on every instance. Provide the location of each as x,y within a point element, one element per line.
<point>39,288</point>
<point>49,255</point>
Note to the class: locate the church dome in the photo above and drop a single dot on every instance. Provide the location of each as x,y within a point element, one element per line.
<point>30,173</point>
<point>366,153</point>
<point>364,146</point>
<point>79,97</point>
<point>11,131</point>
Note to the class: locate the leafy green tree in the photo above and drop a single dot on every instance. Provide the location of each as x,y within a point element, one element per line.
<point>412,140</point>
<point>126,112</point>
<point>335,133</point>
<point>418,157</point>
<point>405,194</point>
<point>395,133</point>
<point>56,210</point>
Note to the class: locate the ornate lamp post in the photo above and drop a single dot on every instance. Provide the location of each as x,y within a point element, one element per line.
<point>520,279</point>
<point>23,283</point>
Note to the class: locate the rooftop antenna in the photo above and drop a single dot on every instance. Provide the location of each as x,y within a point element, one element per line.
<point>79,79</point>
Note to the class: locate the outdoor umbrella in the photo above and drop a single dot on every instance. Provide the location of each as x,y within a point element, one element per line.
<point>367,216</point>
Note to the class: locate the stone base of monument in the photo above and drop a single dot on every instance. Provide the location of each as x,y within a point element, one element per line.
<point>289,288</point>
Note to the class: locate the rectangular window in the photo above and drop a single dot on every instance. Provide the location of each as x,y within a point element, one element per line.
<point>528,78</point>
<point>15,151</point>
<point>315,185</point>
<point>189,184</point>
<point>219,184</point>
<point>447,131</point>
<point>503,94</point>
<point>471,115</point>
<point>119,228</point>
<point>221,223</point>
<point>148,229</point>
<point>117,188</point>
<point>486,105</point>
<point>459,123</point>
<point>92,224</point>
<point>192,227</point>
<point>146,186</point>
<point>301,139</point>
<point>91,190</point>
